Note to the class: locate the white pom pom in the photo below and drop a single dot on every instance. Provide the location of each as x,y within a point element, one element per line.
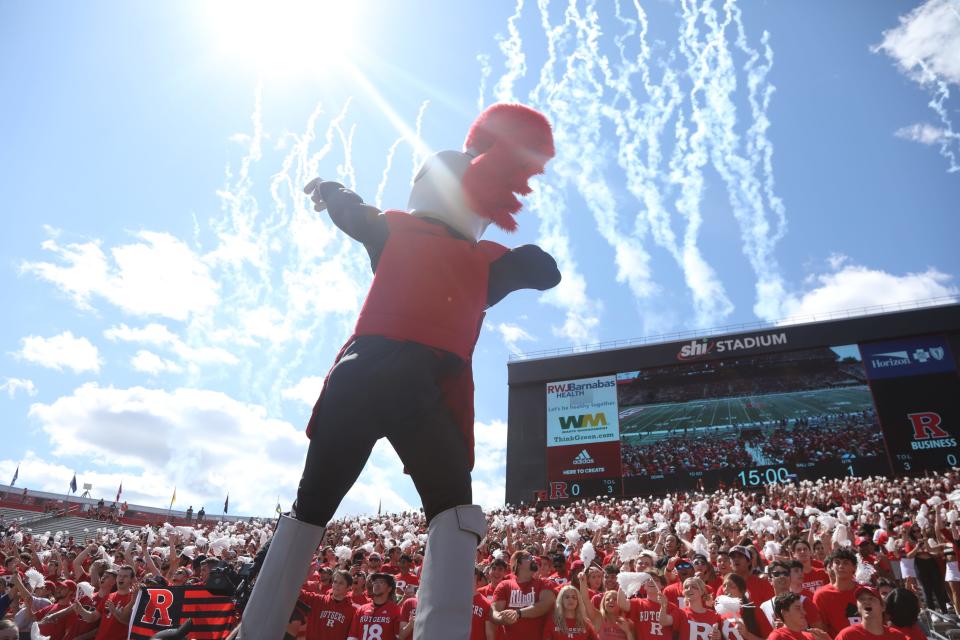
<point>573,536</point>
<point>891,545</point>
<point>587,553</point>
<point>368,547</point>
<point>498,554</point>
<point>631,581</point>
<point>550,532</point>
<point>629,550</point>
<point>529,523</point>
<point>770,550</point>
<point>86,589</point>
<point>934,501</point>
<point>841,536</point>
<point>727,606</point>
<point>864,573</point>
<point>342,552</point>
<point>952,516</point>
<point>701,545</point>
<point>35,632</point>
<point>35,578</point>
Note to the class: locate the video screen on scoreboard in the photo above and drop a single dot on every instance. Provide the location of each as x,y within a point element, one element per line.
<point>871,409</point>
<point>749,421</point>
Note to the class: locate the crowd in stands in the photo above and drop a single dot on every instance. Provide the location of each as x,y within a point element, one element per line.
<point>845,559</point>
<point>674,454</point>
<point>759,375</point>
<point>837,436</point>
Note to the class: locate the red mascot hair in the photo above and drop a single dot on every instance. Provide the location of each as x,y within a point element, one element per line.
<point>513,143</point>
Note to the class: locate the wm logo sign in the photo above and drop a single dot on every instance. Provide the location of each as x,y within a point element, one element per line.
<point>585,421</point>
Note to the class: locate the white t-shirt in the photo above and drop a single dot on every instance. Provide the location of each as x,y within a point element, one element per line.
<point>24,617</point>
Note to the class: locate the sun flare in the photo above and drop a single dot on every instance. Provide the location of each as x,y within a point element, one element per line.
<point>283,37</point>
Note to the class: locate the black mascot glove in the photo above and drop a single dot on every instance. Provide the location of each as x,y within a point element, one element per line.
<point>330,195</point>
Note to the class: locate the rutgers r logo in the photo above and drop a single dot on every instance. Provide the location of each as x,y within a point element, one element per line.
<point>158,609</point>
<point>926,425</point>
<point>558,491</point>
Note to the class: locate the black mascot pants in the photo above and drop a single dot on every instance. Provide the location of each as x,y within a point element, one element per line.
<point>384,388</point>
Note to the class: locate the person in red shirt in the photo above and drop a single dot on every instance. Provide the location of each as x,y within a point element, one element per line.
<point>331,614</point>
<point>814,577</point>
<point>610,573</point>
<point>674,590</point>
<point>405,576</point>
<point>523,601</point>
<point>745,624</point>
<point>782,578</point>
<point>697,621</point>
<point>379,619</point>
<point>837,602</point>
<point>481,622</point>
<point>57,618</point>
<point>871,626</point>
<point>569,620</point>
<point>758,589</point>
<point>706,572</point>
<point>114,612</point>
<point>653,617</point>
<point>789,610</point>
<point>498,569</point>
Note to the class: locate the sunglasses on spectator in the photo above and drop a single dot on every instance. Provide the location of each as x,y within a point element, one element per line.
<point>780,574</point>
<point>375,560</point>
<point>698,562</point>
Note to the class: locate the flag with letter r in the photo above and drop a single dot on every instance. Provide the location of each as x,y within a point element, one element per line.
<point>159,608</point>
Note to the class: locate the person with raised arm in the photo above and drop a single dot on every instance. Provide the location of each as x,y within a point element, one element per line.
<point>609,621</point>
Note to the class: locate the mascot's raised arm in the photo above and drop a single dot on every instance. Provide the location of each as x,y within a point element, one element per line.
<point>405,373</point>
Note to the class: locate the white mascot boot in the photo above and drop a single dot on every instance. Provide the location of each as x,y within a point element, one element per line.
<point>445,597</point>
<point>278,584</point>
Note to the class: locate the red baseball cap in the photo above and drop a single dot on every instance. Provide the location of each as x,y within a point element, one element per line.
<point>862,589</point>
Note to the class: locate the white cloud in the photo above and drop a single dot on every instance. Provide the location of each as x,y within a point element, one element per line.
<point>203,442</point>
<point>13,385</point>
<point>159,276</point>
<point>852,286</point>
<point>924,46</point>
<point>160,336</point>
<point>61,351</point>
<point>307,390</point>
<point>927,41</point>
<point>490,465</point>
<point>149,362</point>
<point>923,133</point>
<point>512,334</point>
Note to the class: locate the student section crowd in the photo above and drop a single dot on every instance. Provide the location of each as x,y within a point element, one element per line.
<point>849,558</point>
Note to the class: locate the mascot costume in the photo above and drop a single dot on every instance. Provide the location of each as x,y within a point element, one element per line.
<point>405,373</point>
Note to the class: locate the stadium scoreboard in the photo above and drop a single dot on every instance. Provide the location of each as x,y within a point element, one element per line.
<point>871,395</point>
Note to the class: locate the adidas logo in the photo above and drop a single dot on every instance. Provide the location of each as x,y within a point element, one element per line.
<point>583,458</point>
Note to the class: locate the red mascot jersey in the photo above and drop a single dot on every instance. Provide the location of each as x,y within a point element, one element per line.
<point>430,287</point>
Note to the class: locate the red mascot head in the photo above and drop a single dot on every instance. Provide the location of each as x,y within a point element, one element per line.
<point>506,146</point>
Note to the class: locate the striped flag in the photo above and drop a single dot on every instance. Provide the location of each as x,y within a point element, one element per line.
<point>159,608</point>
<point>16,474</point>
<point>119,491</point>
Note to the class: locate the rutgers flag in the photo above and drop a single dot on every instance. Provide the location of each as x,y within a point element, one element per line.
<point>159,608</point>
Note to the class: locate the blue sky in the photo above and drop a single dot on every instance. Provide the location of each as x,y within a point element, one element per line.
<point>173,302</point>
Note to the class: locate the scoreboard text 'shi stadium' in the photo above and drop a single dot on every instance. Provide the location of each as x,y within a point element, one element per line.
<point>873,395</point>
